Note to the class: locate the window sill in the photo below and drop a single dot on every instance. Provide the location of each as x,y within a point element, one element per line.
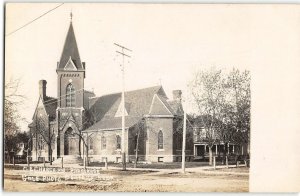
<point>161,150</point>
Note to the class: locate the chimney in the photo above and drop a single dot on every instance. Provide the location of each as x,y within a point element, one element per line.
<point>42,88</point>
<point>177,95</point>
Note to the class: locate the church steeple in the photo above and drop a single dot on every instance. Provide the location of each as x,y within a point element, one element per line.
<point>70,51</point>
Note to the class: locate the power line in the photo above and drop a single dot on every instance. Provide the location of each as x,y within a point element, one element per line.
<point>34,20</point>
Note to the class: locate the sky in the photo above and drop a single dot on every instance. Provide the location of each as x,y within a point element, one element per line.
<point>169,43</point>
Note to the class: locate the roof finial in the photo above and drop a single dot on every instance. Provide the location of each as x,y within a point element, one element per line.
<point>71,15</point>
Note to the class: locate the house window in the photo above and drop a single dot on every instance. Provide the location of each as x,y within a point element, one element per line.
<point>118,142</point>
<point>203,133</point>
<point>198,132</point>
<point>70,96</point>
<point>160,140</point>
<point>103,142</point>
<point>91,143</point>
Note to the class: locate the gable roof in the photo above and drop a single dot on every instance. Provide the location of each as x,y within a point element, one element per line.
<point>176,107</point>
<point>137,104</point>
<point>159,106</point>
<point>70,50</point>
<point>50,104</point>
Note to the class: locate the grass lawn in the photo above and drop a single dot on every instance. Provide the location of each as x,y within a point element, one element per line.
<point>165,165</point>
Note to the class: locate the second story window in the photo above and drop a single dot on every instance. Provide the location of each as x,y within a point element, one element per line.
<point>70,96</point>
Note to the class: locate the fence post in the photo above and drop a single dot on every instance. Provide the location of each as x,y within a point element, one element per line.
<point>62,162</point>
<point>28,164</point>
<point>84,162</point>
<point>106,163</point>
<point>214,159</point>
<point>226,161</point>
<point>44,161</point>
<point>14,160</point>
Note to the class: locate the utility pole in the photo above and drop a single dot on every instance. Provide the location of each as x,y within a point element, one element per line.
<point>123,48</point>
<point>183,141</point>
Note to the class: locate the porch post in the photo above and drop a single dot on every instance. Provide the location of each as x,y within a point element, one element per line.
<point>216,150</point>
<point>242,150</point>
<point>228,148</point>
<point>233,148</point>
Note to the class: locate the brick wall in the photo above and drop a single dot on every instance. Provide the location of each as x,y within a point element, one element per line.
<point>154,125</point>
<point>111,152</point>
<point>63,79</point>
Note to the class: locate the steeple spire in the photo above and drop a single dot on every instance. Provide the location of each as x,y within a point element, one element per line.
<point>71,16</point>
<point>70,50</point>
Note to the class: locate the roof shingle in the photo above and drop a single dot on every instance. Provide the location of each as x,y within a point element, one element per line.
<point>137,103</point>
<point>70,50</point>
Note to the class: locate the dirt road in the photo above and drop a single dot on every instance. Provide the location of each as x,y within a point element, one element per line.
<point>134,181</point>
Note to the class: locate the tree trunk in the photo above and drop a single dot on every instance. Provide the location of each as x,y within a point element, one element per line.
<point>210,155</point>
<point>80,147</point>
<point>50,156</point>
<point>136,149</point>
<point>87,155</point>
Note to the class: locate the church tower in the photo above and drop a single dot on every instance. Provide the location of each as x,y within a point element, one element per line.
<point>70,88</point>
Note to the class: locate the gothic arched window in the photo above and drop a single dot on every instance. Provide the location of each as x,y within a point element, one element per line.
<point>160,140</point>
<point>91,143</point>
<point>118,142</point>
<point>70,96</point>
<point>40,142</point>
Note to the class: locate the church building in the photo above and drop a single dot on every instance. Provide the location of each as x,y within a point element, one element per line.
<point>77,122</point>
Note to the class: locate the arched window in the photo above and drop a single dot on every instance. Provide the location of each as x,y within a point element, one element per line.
<point>91,143</point>
<point>40,142</point>
<point>118,142</point>
<point>103,142</point>
<point>70,96</point>
<point>160,140</point>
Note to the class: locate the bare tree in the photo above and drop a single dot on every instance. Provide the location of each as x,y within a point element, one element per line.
<point>223,102</point>
<point>139,128</point>
<point>239,101</point>
<point>12,100</point>
<point>43,129</point>
<point>207,89</point>
<point>89,118</point>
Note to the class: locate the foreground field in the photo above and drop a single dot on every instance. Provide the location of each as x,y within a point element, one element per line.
<point>220,180</point>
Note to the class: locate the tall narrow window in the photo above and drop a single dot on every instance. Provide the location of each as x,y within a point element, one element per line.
<point>103,142</point>
<point>160,140</point>
<point>70,96</point>
<point>91,143</point>
<point>40,142</point>
<point>118,142</point>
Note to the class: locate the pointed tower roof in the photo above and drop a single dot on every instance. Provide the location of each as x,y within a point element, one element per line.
<point>70,51</point>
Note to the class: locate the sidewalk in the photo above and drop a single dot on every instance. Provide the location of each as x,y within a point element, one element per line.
<point>202,169</point>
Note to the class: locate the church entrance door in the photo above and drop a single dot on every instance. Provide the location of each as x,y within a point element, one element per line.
<point>67,138</point>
